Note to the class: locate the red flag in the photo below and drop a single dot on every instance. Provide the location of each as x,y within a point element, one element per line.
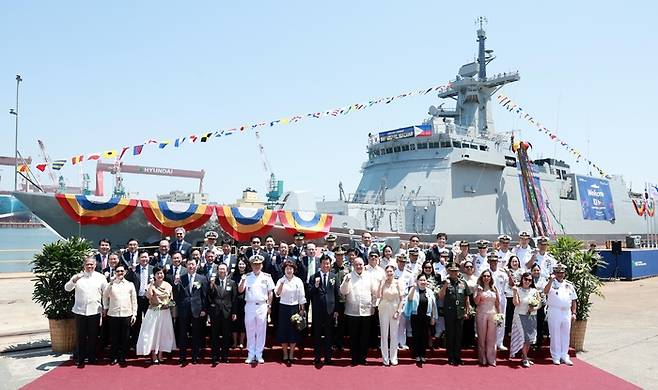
<point>77,159</point>
<point>94,156</point>
<point>42,167</point>
<point>123,151</point>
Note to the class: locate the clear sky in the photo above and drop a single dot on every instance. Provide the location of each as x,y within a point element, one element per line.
<point>102,75</point>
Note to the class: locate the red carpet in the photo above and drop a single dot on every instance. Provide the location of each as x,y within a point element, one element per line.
<point>302,375</point>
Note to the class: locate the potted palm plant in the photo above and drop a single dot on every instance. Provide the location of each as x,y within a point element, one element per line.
<point>579,264</point>
<point>52,268</point>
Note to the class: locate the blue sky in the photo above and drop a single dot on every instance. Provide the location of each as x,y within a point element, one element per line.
<point>102,75</point>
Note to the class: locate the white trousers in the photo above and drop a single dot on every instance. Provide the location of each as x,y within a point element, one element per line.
<point>559,327</point>
<point>389,327</point>
<point>255,322</point>
<point>500,330</point>
<point>402,330</point>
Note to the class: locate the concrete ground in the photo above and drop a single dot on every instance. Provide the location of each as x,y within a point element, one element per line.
<point>622,334</point>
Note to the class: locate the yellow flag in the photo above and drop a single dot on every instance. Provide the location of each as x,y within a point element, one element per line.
<point>109,154</point>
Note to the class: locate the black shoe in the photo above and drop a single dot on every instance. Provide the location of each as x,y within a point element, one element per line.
<point>459,362</point>
<point>113,362</point>
<point>182,362</point>
<point>214,362</point>
<point>195,361</point>
<point>123,364</point>
<point>317,362</point>
<point>81,364</point>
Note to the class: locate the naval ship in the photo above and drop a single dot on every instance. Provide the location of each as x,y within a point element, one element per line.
<point>451,173</point>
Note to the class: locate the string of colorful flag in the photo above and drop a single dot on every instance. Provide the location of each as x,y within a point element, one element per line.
<point>207,136</point>
<point>512,107</point>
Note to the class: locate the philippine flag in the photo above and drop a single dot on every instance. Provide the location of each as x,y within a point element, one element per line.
<point>423,130</point>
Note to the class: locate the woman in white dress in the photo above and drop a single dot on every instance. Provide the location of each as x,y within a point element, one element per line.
<point>157,332</point>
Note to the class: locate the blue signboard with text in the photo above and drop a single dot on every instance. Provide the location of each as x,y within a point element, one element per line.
<point>595,198</point>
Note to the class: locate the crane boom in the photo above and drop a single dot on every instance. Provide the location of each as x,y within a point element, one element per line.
<point>46,158</point>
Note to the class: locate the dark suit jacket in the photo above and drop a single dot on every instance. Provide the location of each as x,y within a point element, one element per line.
<point>305,261</point>
<point>99,262</point>
<point>232,261</point>
<point>127,260</point>
<point>250,252</point>
<point>169,275</point>
<point>221,300</point>
<point>136,276</point>
<point>324,299</point>
<point>275,268</point>
<point>191,302</point>
<point>157,259</point>
<point>185,248</point>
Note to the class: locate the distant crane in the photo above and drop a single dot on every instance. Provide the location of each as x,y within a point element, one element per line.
<point>142,170</point>
<point>274,186</point>
<point>46,159</point>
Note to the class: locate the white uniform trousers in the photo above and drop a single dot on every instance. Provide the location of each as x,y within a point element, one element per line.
<point>255,322</point>
<point>559,327</point>
<point>389,327</point>
<point>500,330</point>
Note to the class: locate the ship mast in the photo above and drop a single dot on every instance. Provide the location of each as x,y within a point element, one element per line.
<point>472,96</point>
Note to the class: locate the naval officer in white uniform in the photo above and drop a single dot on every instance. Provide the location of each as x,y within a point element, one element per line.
<point>258,288</point>
<point>561,302</point>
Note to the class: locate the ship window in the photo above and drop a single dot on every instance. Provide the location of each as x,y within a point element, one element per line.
<point>474,147</point>
<point>375,152</point>
<point>396,149</point>
<point>456,144</point>
<point>466,146</point>
<point>445,144</point>
<point>405,148</point>
<point>484,147</point>
<point>422,145</point>
<point>389,150</point>
<point>510,161</point>
<point>412,146</point>
<point>434,145</point>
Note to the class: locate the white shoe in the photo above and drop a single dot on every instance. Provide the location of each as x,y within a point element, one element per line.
<point>404,347</point>
<point>423,360</point>
<point>556,362</point>
<point>249,360</point>
<point>567,361</point>
<point>502,348</point>
<point>394,362</point>
<point>260,360</point>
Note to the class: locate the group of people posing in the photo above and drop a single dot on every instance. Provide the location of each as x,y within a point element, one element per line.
<point>373,295</point>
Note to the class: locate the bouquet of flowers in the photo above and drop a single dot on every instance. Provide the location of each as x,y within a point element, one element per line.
<point>166,304</point>
<point>299,321</point>
<point>499,318</point>
<point>533,301</point>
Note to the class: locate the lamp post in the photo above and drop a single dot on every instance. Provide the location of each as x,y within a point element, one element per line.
<point>14,112</point>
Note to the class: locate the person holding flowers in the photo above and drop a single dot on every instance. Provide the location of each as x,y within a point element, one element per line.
<point>488,307</point>
<point>526,301</point>
<point>157,332</point>
<point>291,293</point>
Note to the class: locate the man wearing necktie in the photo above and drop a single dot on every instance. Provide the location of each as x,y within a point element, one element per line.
<point>324,295</point>
<point>130,257</point>
<point>191,303</point>
<point>180,245</point>
<point>221,296</point>
<point>104,248</point>
<point>161,258</point>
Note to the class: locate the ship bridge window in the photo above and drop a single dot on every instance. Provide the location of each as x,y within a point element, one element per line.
<point>412,146</point>
<point>389,150</point>
<point>396,149</point>
<point>422,145</point>
<point>445,144</point>
<point>474,147</point>
<point>466,146</point>
<point>434,145</point>
<point>456,144</point>
<point>484,147</point>
<point>510,161</point>
<point>405,148</point>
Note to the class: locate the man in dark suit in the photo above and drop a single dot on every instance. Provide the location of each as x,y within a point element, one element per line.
<point>297,248</point>
<point>180,245</point>
<point>191,293</point>
<point>177,268</point>
<point>255,249</point>
<point>221,296</point>
<point>324,296</point>
<point>142,276</point>
<point>161,257</point>
<point>228,258</point>
<point>102,257</point>
<point>130,256</point>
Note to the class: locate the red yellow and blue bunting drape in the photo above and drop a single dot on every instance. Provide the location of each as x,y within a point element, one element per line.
<point>313,225</point>
<point>242,223</point>
<point>96,211</point>
<point>651,207</point>
<point>166,217</point>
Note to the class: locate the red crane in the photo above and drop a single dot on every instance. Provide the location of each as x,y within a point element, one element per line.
<point>141,170</point>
